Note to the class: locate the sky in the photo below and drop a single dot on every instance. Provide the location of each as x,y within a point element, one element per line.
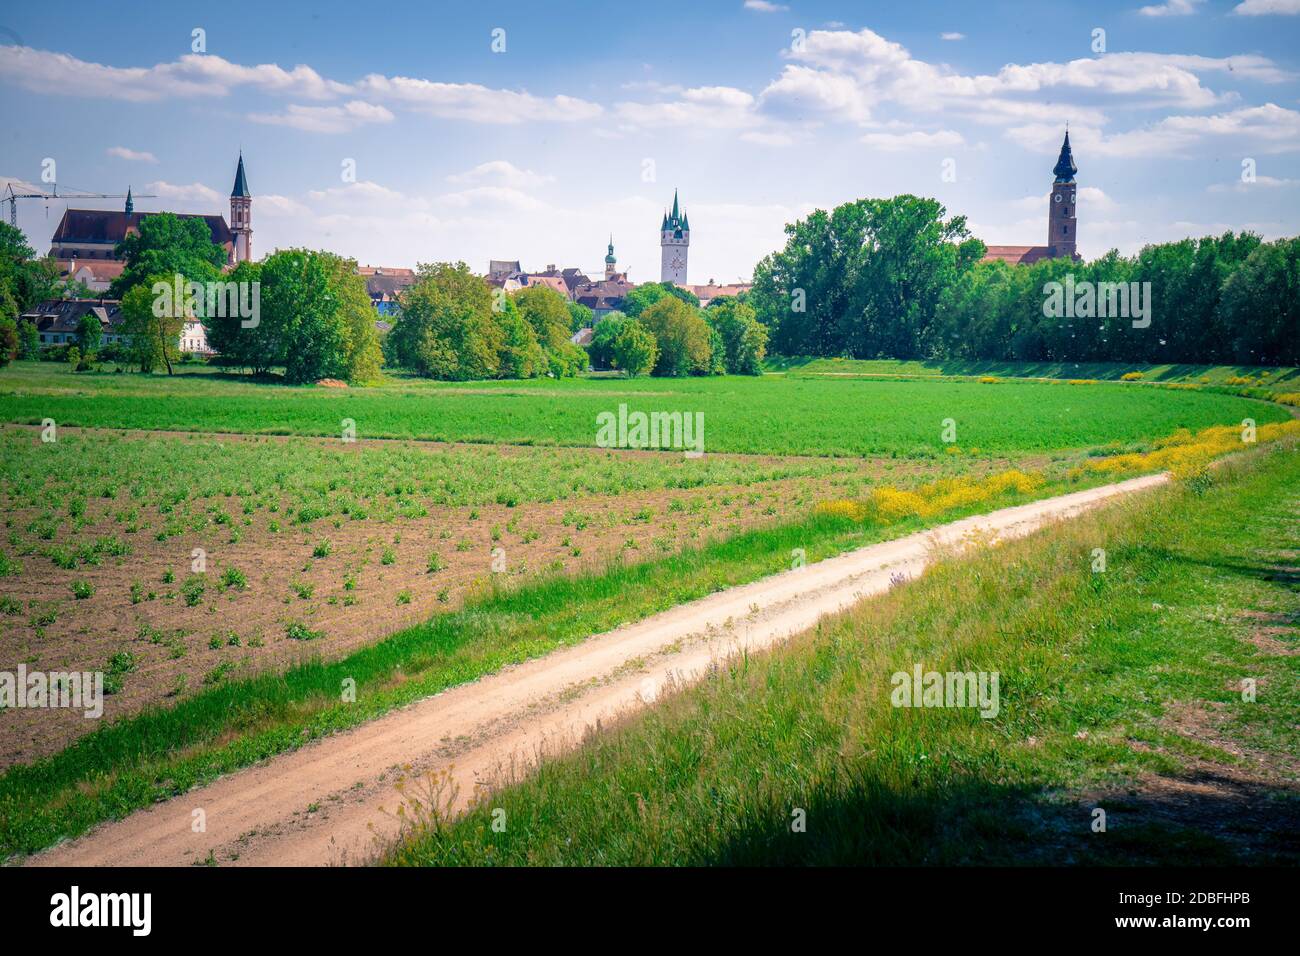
<point>399,133</point>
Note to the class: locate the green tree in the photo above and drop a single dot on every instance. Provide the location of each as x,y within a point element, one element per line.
<point>644,296</point>
<point>548,313</point>
<point>90,332</point>
<point>520,354</point>
<point>601,348</point>
<point>362,356</point>
<point>304,313</point>
<point>29,341</point>
<point>1260,307</point>
<point>682,336</point>
<point>446,329</point>
<point>634,349</point>
<point>9,341</point>
<point>245,340</point>
<point>152,321</point>
<point>580,317</point>
<point>167,245</point>
<point>743,338</point>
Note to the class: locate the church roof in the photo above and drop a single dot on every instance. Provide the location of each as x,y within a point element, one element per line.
<point>108,225</point>
<point>241,184</point>
<point>1016,255</point>
<point>1065,168</point>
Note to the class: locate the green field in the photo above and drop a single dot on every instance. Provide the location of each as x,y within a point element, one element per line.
<point>1102,678</point>
<point>254,467</point>
<point>768,415</point>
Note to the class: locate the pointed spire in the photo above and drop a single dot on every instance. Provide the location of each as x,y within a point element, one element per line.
<point>675,213</point>
<point>241,184</point>
<point>664,227</point>
<point>130,204</point>
<point>686,222</point>
<point>1065,168</point>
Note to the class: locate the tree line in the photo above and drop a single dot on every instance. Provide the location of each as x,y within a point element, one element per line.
<point>894,278</point>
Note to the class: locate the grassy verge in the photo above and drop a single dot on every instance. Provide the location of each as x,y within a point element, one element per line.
<point>1119,690</point>
<point>140,760</point>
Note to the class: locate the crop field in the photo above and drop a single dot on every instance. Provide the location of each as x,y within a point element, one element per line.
<point>771,415</point>
<point>193,537</point>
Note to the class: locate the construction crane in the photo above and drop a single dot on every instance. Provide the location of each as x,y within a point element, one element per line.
<point>12,197</point>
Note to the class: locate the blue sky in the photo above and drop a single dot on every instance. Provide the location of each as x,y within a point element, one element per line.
<point>758,112</point>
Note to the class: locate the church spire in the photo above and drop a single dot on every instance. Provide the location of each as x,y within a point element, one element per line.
<point>675,213</point>
<point>241,184</point>
<point>1065,168</point>
<point>130,204</point>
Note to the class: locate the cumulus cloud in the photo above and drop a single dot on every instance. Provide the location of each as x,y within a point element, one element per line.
<point>136,156</point>
<point>326,119</point>
<point>1172,8</point>
<point>1261,8</point>
<point>763,6</point>
<point>1269,128</point>
<point>501,173</point>
<point>192,192</point>
<point>192,75</point>
<point>916,139</point>
<point>470,101</point>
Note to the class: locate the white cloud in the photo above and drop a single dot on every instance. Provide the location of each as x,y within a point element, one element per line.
<point>952,35</point>
<point>702,107</point>
<point>1268,129</point>
<point>192,75</point>
<point>762,6</point>
<point>1172,8</point>
<point>1260,183</point>
<point>121,152</point>
<point>326,119</point>
<point>1259,8</point>
<point>196,192</point>
<point>849,75</point>
<point>916,139</point>
<point>470,101</point>
<point>212,76</point>
<point>501,173</point>
<point>767,139</point>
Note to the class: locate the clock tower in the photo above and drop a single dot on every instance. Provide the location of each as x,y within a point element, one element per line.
<point>674,244</point>
<point>1062,217</point>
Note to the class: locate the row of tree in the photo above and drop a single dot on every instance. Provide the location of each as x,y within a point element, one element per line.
<point>454,326</point>
<point>894,278</point>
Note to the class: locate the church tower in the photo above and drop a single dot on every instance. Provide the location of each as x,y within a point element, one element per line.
<point>1062,218</point>
<point>241,216</point>
<point>674,244</point>
<point>611,263</point>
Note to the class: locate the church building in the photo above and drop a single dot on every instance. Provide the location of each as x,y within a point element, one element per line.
<point>1062,219</point>
<point>85,242</point>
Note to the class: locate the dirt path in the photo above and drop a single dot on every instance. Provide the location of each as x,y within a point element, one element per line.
<point>330,801</point>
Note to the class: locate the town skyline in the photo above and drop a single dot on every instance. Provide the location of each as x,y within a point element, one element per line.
<point>426,149</point>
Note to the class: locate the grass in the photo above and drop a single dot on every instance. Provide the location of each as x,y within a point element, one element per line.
<point>1091,666</point>
<point>161,752</point>
<point>804,415</point>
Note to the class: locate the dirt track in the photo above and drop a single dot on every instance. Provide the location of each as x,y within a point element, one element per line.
<point>330,801</point>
